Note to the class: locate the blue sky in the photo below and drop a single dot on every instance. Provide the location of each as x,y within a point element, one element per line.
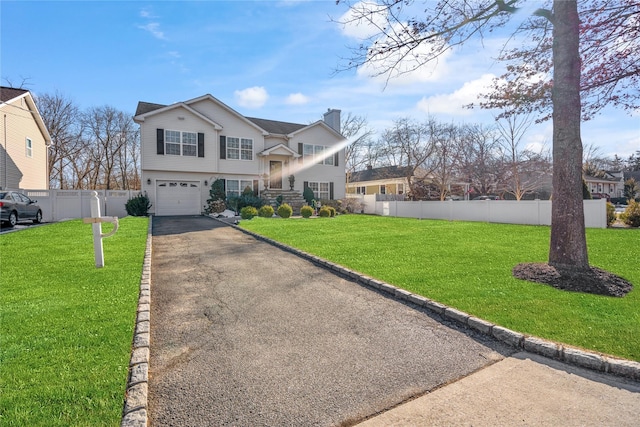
<point>268,59</point>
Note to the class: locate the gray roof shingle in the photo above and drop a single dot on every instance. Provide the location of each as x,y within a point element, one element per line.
<point>276,127</point>
<point>385,172</point>
<point>8,93</point>
<point>146,107</point>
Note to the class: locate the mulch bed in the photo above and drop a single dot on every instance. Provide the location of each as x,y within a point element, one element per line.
<point>592,280</point>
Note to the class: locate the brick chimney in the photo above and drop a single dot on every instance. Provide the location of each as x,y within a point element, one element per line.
<point>332,118</point>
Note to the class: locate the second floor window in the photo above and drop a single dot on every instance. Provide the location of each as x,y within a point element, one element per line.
<point>29,147</point>
<point>317,153</point>
<point>239,148</point>
<point>180,143</point>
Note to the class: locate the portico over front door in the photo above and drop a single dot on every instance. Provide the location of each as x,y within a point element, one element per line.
<point>275,174</point>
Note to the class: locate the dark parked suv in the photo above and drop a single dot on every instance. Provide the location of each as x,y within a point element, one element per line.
<point>16,207</point>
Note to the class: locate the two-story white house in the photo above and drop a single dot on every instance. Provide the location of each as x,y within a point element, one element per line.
<point>187,145</point>
<point>24,142</point>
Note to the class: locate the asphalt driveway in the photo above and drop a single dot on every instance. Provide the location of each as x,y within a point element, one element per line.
<point>246,334</point>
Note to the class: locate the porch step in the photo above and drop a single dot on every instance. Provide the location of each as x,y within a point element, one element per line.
<point>291,197</point>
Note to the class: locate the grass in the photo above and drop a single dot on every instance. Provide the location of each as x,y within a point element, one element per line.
<point>468,266</point>
<point>66,327</point>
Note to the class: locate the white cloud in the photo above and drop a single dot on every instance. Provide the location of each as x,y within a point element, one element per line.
<point>145,13</point>
<point>363,20</point>
<point>296,99</point>
<point>453,103</point>
<point>400,66</point>
<point>154,29</point>
<point>253,97</point>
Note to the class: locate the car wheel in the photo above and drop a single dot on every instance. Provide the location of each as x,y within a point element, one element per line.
<point>38,218</point>
<point>13,219</point>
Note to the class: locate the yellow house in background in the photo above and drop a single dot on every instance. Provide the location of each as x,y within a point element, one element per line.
<point>384,180</point>
<point>24,142</point>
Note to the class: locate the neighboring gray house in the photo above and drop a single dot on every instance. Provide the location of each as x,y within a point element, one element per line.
<point>187,145</point>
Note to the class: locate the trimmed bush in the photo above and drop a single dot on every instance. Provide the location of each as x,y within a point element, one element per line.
<point>284,210</point>
<point>248,212</point>
<point>324,212</point>
<point>332,211</point>
<point>138,206</point>
<point>611,214</point>
<point>265,211</point>
<point>631,215</point>
<point>306,211</point>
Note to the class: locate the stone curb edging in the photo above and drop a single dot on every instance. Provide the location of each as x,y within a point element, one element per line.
<point>134,411</point>
<point>573,356</point>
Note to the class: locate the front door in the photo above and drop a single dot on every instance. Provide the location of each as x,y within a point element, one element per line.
<point>275,175</point>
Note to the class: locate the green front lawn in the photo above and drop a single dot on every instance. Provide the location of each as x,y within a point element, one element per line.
<point>66,327</point>
<point>467,265</point>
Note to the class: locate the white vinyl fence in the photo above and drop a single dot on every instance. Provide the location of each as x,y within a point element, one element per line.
<point>57,205</point>
<point>532,212</point>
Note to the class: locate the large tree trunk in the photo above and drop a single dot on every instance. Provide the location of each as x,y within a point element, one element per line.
<point>568,241</point>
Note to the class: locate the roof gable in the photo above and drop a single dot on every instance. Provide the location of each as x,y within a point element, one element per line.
<point>177,105</point>
<point>9,95</point>
<point>281,150</point>
<point>318,123</point>
<point>268,127</point>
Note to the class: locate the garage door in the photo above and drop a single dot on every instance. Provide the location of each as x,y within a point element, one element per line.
<point>178,198</point>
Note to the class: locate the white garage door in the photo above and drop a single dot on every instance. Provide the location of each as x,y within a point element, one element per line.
<point>178,198</point>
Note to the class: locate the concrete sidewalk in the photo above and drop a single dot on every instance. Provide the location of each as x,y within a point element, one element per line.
<point>243,333</point>
<point>523,390</point>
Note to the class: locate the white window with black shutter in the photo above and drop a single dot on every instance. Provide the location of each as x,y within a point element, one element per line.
<point>319,154</point>
<point>236,148</point>
<point>179,143</point>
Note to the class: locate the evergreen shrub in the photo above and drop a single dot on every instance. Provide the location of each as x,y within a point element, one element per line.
<point>631,215</point>
<point>138,206</point>
<point>611,214</point>
<point>306,211</point>
<point>248,212</point>
<point>265,211</point>
<point>324,212</point>
<point>308,195</point>
<point>284,210</point>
